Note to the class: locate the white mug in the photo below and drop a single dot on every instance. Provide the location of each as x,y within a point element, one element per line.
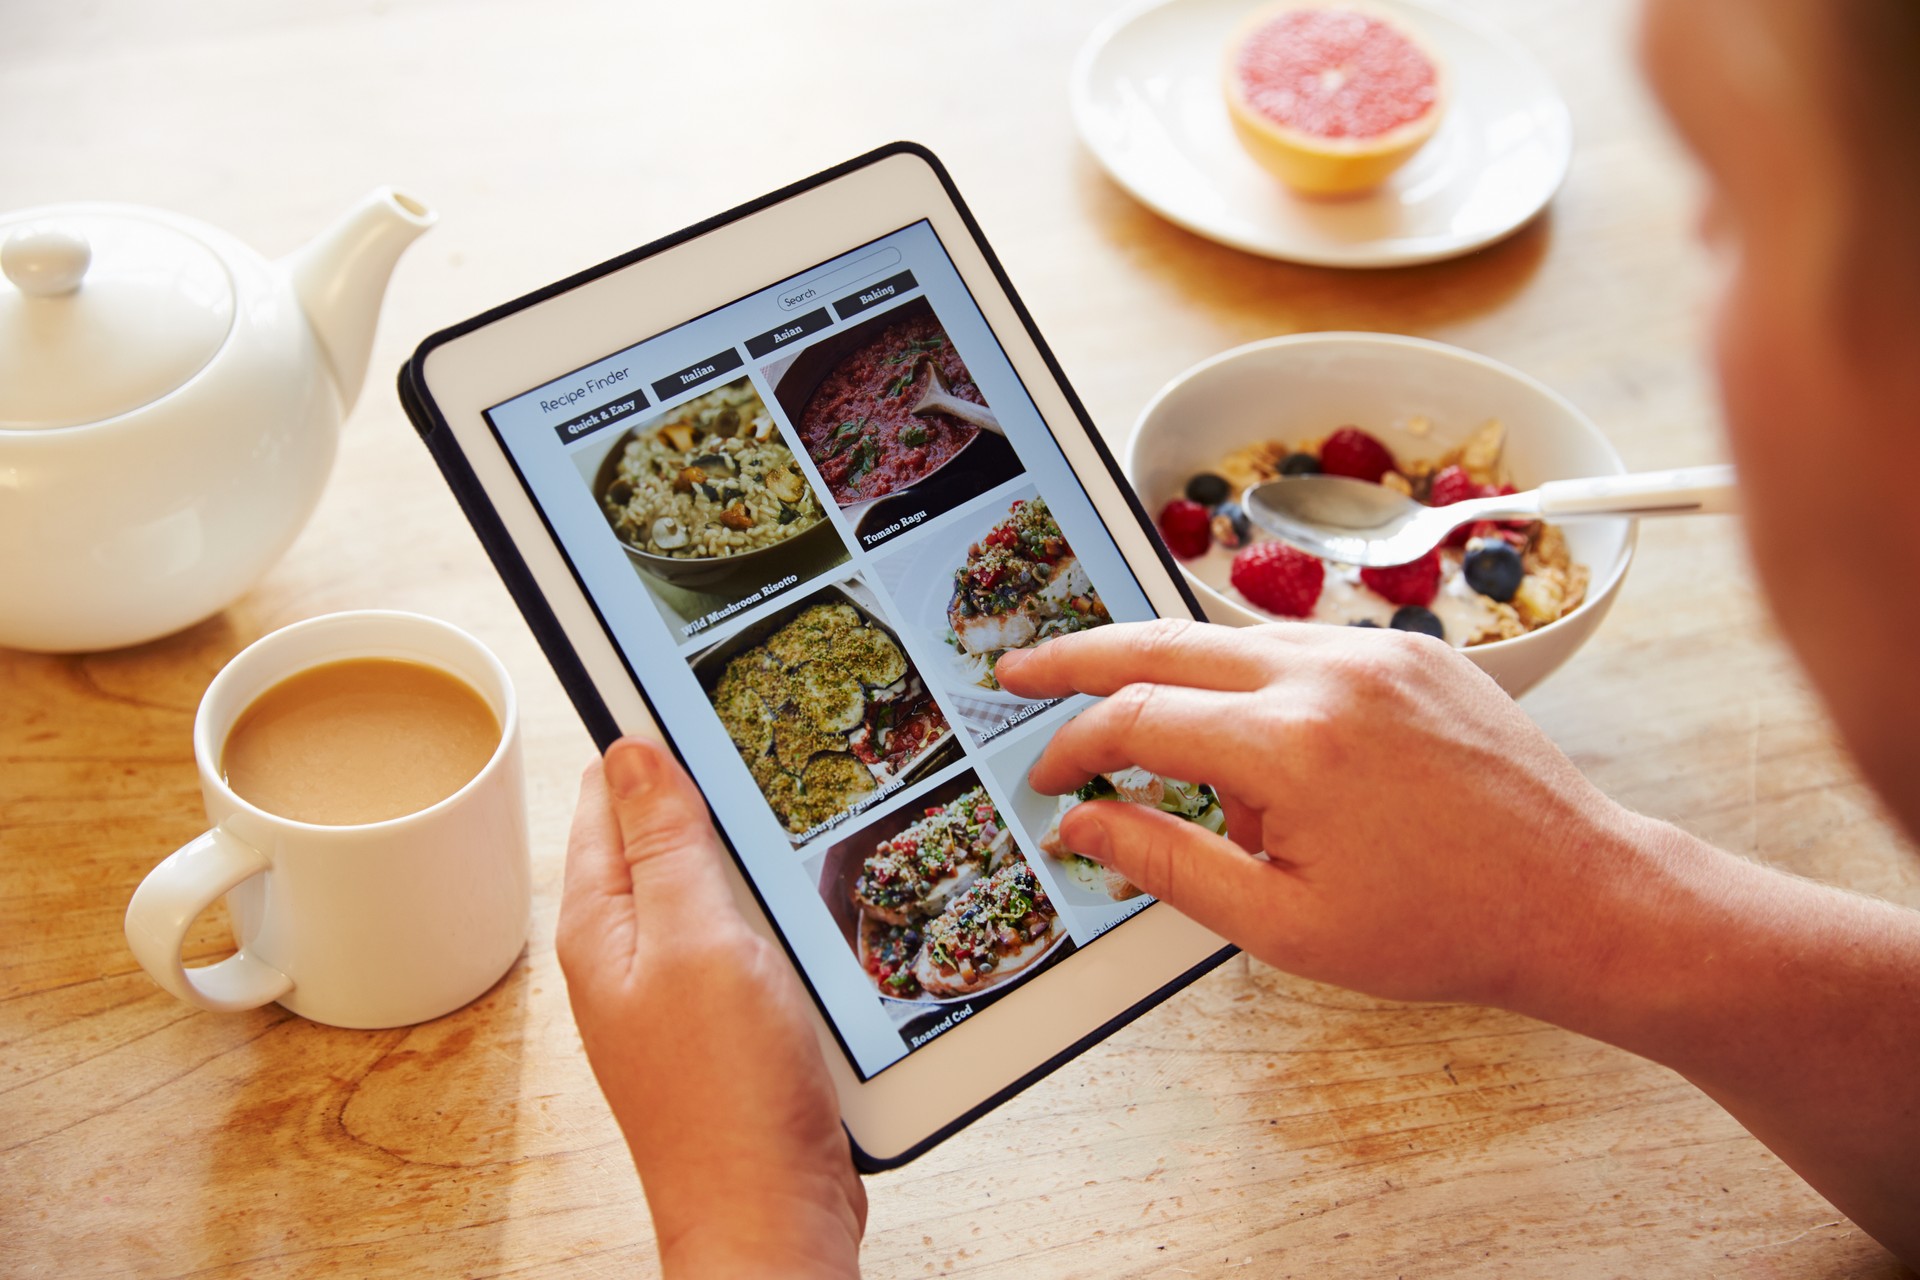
<point>378,925</point>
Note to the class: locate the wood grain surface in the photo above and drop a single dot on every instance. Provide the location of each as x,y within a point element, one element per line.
<point>1257,1125</point>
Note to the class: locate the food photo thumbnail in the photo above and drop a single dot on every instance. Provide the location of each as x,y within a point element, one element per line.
<point>1002,577</point>
<point>825,708</point>
<point>939,907</point>
<point>893,420</point>
<point>711,506</point>
<point>1095,897</point>
<point>1193,801</point>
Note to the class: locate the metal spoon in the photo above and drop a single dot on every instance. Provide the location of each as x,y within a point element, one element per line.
<point>1355,522</point>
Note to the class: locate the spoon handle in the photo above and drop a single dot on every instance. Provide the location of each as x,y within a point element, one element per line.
<point>938,398</point>
<point>1649,493</point>
<point>965,410</point>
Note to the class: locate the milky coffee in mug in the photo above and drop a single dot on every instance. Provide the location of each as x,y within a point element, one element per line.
<point>360,740</point>
<point>364,778</point>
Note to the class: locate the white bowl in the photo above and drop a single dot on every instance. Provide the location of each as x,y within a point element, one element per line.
<point>1305,385</point>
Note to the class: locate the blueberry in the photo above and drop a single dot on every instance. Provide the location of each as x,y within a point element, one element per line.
<point>1494,570</point>
<point>1364,622</point>
<point>1231,528</point>
<point>1208,489</point>
<point>1411,617</point>
<point>1300,464</point>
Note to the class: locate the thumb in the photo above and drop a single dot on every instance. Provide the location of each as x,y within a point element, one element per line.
<point>672,852</point>
<point>1205,877</point>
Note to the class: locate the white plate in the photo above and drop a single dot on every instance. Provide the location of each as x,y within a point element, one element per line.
<point>1035,814</point>
<point>1147,100</point>
<point>925,1001</point>
<point>924,595</point>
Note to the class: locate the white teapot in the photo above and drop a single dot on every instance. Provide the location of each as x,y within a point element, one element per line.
<point>169,405</point>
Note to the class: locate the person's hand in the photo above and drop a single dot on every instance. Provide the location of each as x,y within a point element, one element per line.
<point>696,1029</point>
<point>1426,840</point>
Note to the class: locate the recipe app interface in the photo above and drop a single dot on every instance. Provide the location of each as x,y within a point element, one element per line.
<point>811,521</point>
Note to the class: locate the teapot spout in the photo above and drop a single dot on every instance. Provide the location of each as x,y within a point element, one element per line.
<point>342,273</point>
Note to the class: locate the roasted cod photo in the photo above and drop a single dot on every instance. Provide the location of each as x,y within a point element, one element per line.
<point>937,902</point>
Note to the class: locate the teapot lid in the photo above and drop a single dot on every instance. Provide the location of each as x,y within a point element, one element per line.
<point>103,311</point>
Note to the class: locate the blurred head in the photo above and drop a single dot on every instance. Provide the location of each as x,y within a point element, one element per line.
<point>1805,115</point>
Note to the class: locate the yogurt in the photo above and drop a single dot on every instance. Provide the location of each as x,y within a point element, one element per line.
<point>1463,612</point>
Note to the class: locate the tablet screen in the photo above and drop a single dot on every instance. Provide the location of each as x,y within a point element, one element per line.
<point>810,521</point>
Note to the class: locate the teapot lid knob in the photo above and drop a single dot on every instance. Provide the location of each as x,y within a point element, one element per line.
<point>104,309</point>
<point>44,260</point>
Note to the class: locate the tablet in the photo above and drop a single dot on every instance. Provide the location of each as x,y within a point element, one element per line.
<point>780,489</point>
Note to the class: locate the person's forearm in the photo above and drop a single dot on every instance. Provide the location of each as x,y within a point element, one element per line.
<point>795,1241</point>
<point>718,1213</point>
<point>720,1253</point>
<point>1794,1005</point>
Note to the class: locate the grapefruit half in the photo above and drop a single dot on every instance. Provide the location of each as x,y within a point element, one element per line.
<point>1331,98</point>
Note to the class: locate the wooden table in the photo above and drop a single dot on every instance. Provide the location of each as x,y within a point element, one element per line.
<point>1256,1125</point>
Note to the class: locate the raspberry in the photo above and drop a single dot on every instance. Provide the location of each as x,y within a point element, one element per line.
<point>1413,583</point>
<point>1523,527</point>
<point>1352,452</point>
<point>1279,578</point>
<point>1516,532</point>
<point>1186,527</point>
<point>1512,532</point>
<point>1453,485</point>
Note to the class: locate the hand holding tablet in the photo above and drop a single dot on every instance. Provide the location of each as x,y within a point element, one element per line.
<point>664,976</point>
<point>782,489</point>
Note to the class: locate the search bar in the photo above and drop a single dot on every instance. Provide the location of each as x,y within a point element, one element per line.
<point>813,288</point>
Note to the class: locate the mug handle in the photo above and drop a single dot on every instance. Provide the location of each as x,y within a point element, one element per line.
<point>189,881</point>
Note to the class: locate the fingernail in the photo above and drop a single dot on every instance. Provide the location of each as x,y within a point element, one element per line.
<point>1091,841</point>
<point>629,769</point>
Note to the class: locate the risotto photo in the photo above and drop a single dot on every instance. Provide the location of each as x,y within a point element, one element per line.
<point>711,506</point>
<point>712,478</point>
